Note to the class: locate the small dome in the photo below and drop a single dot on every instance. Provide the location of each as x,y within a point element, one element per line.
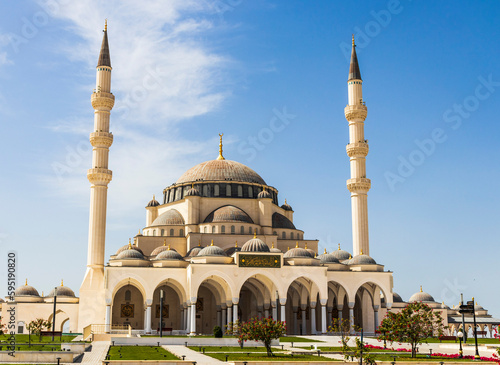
<point>311,251</point>
<point>280,221</point>
<point>192,192</point>
<point>421,296</point>
<point>169,218</point>
<point>341,255</point>
<point>231,250</point>
<point>264,194</point>
<point>396,298</point>
<point>286,206</point>
<point>153,203</point>
<point>124,248</point>
<point>255,245</point>
<point>26,291</point>
<point>298,252</point>
<point>63,291</point>
<point>228,213</point>
<point>478,307</point>
<point>194,251</point>
<point>169,254</point>
<point>212,251</point>
<point>362,260</point>
<point>328,258</point>
<point>130,254</point>
<point>273,249</point>
<point>159,249</point>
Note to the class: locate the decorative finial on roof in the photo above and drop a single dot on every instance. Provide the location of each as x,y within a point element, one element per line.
<point>168,248</point>
<point>339,246</point>
<point>42,294</point>
<point>212,243</point>
<point>353,44</point>
<point>140,232</point>
<point>306,246</point>
<point>129,244</point>
<point>297,244</point>
<point>26,283</point>
<point>154,197</point>
<point>220,147</point>
<point>62,282</point>
<point>236,244</point>
<point>106,25</point>
<point>325,250</point>
<point>199,243</point>
<point>164,242</point>
<point>421,289</point>
<point>272,244</point>
<point>255,234</point>
<point>192,185</point>
<point>288,248</point>
<point>361,252</point>
<point>285,201</point>
<point>350,257</point>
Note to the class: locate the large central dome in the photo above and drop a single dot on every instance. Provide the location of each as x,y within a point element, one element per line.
<point>221,170</point>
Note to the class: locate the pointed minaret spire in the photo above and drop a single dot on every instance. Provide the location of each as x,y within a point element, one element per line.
<point>354,73</point>
<point>104,58</point>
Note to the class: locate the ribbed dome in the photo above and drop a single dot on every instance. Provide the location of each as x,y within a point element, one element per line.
<point>396,298</point>
<point>264,194</point>
<point>341,255</point>
<point>221,170</point>
<point>123,248</point>
<point>192,192</point>
<point>170,218</point>
<point>298,252</point>
<point>328,258</point>
<point>286,206</point>
<point>421,296</point>
<point>280,221</point>
<point>194,251</point>
<point>212,251</point>
<point>169,255</point>
<point>153,203</point>
<point>228,213</point>
<point>255,245</point>
<point>160,249</point>
<point>26,291</point>
<point>63,291</point>
<point>130,254</point>
<point>274,249</point>
<point>362,260</point>
<point>311,251</point>
<point>231,250</point>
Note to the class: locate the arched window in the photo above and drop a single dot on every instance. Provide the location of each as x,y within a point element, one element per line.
<point>240,191</point>
<point>242,230</point>
<point>154,232</point>
<point>128,295</point>
<point>213,229</point>
<point>171,232</point>
<point>178,193</point>
<point>223,229</point>
<point>291,235</point>
<point>205,190</point>
<point>216,190</point>
<point>205,229</point>
<point>283,235</point>
<point>250,192</point>
<point>233,229</point>
<point>250,230</point>
<point>256,231</point>
<point>163,232</point>
<point>228,190</point>
<point>275,233</point>
<point>181,232</point>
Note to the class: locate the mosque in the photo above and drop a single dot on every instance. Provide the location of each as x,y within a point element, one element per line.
<point>219,247</point>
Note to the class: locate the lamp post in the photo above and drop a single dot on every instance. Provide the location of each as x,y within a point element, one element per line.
<point>54,314</point>
<point>476,356</point>
<point>460,336</point>
<point>161,312</point>
<point>463,317</point>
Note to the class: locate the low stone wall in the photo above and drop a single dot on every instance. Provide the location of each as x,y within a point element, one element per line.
<point>152,362</point>
<point>77,348</point>
<point>353,363</point>
<point>39,357</point>
<point>191,341</point>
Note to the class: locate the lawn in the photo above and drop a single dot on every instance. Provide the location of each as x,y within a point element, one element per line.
<point>35,339</point>
<point>25,347</point>
<point>228,349</point>
<point>296,339</point>
<point>470,341</point>
<point>407,357</point>
<point>184,336</point>
<point>139,353</point>
<point>259,357</point>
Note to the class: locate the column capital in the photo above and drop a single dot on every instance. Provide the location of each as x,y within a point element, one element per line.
<point>194,300</point>
<point>236,300</point>
<point>312,305</point>
<point>108,301</point>
<point>282,301</point>
<point>229,304</point>
<point>340,307</point>
<point>303,307</point>
<point>323,301</point>
<point>149,302</point>
<point>376,308</point>
<point>350,305</point>
<point>388,305</point>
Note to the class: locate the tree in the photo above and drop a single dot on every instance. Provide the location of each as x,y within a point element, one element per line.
<point>264,330</point>
<point>36,327</point>
<point>416,322</point>
<point>342,327</point>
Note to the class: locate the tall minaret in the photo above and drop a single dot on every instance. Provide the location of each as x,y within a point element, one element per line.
<point>101,139</point>
<point>357,149</point>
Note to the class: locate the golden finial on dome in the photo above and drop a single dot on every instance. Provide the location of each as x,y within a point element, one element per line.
<point>236,244</point>
<point>199,243</point>
<point>105,25</point>
<point>129,244</point>
<point>140,232</point>
<point>297,244</point>
<point>62,282</point>
<point>42,294</point>
<point>220,147</point>
<point>164,242</point>
<point>212,243</point>
<point>168,248</point>
<point>306,246</point>
<point>272,244</point>
<point>421,289</point>
<point>255,234</point>
<point>353,41</point>
<point>288,248</point>
<point>26,283</point>
<point>285,200</point>
<point>325,250</point>
<point>361,252</point>
<point>339,246</point>
<point>350,257</point>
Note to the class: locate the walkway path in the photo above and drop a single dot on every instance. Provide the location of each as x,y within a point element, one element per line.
<point>98,353</point>
<point>191,355</point>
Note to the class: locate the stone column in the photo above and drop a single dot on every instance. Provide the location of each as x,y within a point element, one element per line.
<point>188,318</point>
<point>259,311</point>
<point>193,316</point>
<point>313,317</point>
<point>324,328</point>
<point>329,318</point>
<point>223,318</point>
<point>147,326</point>
<point>275,311</point>
<point>107,320</point>
<point>182,318</point>
<point>235,309</point>
<point>340,307</point>
<point>219,318</point>
<point>283,309</point>
<point>295,320</point>
<point>351,317</point>
<point>375,317</point>
<point>304,325</point>
<point>229,316</point>
<point>266,310</point>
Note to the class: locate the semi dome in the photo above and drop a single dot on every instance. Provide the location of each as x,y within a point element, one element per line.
<point>194,251</point>
<point>362,260</point>
<point>221,170</point>
<point>63,291</point>
<point>286,206</point>
<point>153,203</point>
<point>421,296</point>
<point>280,221</point>
<point>212,251</point>
<point>26,291</point>
<point>228,213</point>
<point>160,249</point>
<point>328,258</point>
<point>130,254</point>
<point>169,254</point>
<point>169,218</point>
<point>396,298</point>
<point>298,252</point>
<point>341,255</point>
<point>255,245</point>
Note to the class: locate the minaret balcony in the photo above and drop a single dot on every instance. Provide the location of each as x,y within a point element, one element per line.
<point>359,149</point>
<point>99,176</point>
<point>359,185</point>
<point>101,139</point>
<point>102,100</point>
<point>355,112</point>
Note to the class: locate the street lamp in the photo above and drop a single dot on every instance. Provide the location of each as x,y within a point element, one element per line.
<point>54,314</point>
<point>460,336</point>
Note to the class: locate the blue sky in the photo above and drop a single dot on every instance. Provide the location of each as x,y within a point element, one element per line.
<point>184,71</point>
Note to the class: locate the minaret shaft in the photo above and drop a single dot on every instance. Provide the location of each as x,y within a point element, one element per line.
<point>357,150</point>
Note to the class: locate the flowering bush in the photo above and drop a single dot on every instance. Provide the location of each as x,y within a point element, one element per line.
<point>264,330</point>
